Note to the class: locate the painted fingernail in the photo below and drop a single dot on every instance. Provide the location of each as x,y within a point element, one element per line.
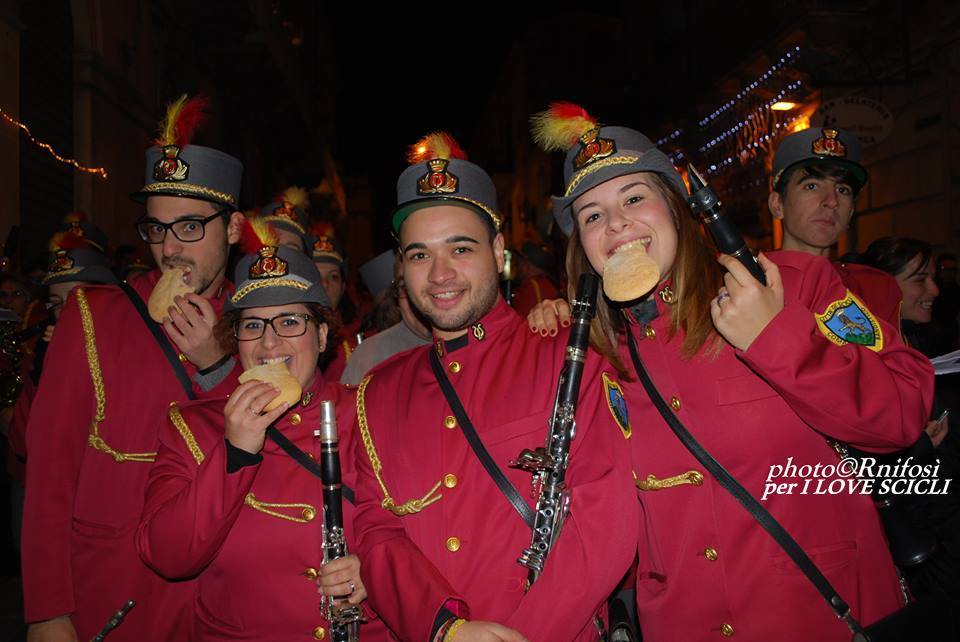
<point>543,332</point>
<point>564,323</point>
<point>553,333</point>
<point>533,328</point>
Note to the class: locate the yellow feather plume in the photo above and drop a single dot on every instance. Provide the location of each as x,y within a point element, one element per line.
<point>435,145</point>
<point>296,196</point>
<point>257,233</point>
<point>168,127</point>
<point>560,126</point>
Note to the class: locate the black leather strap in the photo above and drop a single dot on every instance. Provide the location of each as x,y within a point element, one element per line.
<point>756,510</point>
<point>161,339</point>
<point>303,458</point>
<point>512,494</point>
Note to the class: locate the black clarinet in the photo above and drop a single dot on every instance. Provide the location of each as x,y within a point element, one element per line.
<point>344,617</point>
<point>549,464</point>
<point>115,621</point>
<point>726,236</point>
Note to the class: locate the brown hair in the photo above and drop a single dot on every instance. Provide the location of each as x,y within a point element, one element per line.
<point>223,330</point>
<point>696,278</point>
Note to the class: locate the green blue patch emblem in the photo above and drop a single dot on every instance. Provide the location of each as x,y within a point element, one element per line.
<point>849,321</point>
<point>617,404</point>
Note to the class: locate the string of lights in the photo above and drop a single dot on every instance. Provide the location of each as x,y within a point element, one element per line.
<point>778,130</point>
<point>99,171</point>
<point>786,59</point>
<point>789,89</point>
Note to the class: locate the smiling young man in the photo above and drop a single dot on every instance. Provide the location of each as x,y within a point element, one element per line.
<point>107,383</point>
<point>437,535</point>
<point>817,177</point>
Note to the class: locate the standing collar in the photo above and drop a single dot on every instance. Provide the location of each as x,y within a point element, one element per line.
<point>492,323</point>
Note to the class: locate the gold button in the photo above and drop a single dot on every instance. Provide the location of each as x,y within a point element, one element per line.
<point>454,367</point>
<point>295,419</point>
<point>311,574</point>
<point>650,333</point>
<point>182,357</point>
<point>450,422</point>
<point>726,630</point>
<point>675,404</point>
<point>309,514</point>
<point>319,633</point>
<point>450,481</point>
<point>453,544</point>
<point>711,554</point>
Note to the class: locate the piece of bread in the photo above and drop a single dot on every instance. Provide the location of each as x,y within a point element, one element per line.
<point>170,285</point>
<point>630,273</point>
<point>279,375</point>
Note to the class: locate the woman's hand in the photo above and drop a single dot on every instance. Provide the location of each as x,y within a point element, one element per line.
<point>545,316</point>
<point>478,631</point>
<point>937,431</point>
<point>744,306</point>
<point>341,578</point>
<point>246,427</point>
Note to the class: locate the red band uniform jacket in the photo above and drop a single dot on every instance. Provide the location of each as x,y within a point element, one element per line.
<point>86,479</point>
<point>707,570</point>
<point>253,535</point>
<point>457,542</point>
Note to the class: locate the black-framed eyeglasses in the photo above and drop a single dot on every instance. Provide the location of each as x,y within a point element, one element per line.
<point>187,230</point>
<point>289,325</point>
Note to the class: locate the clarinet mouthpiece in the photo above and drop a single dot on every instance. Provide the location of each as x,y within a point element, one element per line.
<point>697,181</point>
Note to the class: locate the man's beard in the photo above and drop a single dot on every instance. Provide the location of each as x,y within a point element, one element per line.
<point>475,311</point>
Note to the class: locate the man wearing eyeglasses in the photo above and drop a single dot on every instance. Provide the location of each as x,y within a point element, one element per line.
<point>110,375</point>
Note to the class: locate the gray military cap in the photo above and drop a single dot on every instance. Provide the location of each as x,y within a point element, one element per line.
<point>192,171</point>
<point>78,264</point>
<point>285,215</point>
<point>377,273</point>
<point>815,146</point>
<point>440,180</point>
<point>276,276</point>
<point>606,153</point>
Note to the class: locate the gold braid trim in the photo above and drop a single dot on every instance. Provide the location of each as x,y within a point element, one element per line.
<point>693,477</point>
<point>190,188</point>
<point>497,221</point>
<point>409,507</point>
<point>185,432</point>
<point>269,283</point>
<point>308,512</point>
<point>347,350</point>
<point>597,166</point>
<point>94,440</point>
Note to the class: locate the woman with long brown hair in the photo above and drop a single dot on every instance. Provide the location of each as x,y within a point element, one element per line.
<point>765,377</point>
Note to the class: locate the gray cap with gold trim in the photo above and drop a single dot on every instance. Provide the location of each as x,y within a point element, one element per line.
<point>175,167</point>
<point>270,274</point>
<point>595,155</point>
<point>441,172</point>
<point>816,146</point>
<point>77,253</point>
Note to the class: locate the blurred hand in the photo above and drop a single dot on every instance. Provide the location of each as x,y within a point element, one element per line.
<point>744,306</point>
<point>937,431</point>
<point>246,427</point>
<point>190,325</point>
<point>341,578</point>
<point>59,629</point>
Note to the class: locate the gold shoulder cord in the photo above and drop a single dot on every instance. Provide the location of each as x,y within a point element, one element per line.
<point>181,425</point>
<point>307,512</point>
<point>94,440</point>
<point>692,477</point>
<point>409,507</point>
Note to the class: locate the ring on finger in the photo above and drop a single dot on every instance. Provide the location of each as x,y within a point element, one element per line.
<point>722,296</point>
<point>353,587</point>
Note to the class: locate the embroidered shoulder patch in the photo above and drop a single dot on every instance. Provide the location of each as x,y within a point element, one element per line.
<point>849,321</point>
<point>617,404</point>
